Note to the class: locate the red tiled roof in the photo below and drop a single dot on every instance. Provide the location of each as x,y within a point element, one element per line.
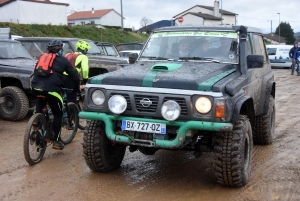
<point>89,14</point>
<point>3,2</point>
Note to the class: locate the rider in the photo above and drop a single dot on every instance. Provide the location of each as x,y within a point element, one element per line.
<point>50,86</point>
<point>291,54</point>
<point>80,61</point>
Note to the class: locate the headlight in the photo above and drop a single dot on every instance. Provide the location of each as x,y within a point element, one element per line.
<point>203,105</point>
<point>170,110</point>
<point>117,104</point>
<point>98,97</point>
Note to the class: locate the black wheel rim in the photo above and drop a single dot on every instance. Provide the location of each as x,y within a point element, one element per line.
<point>9,105</point>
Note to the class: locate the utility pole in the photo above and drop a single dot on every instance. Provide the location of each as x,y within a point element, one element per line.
<point>121,15</point>
<point>279,28</point>
<point>271,25</point>
<point>221,12</point>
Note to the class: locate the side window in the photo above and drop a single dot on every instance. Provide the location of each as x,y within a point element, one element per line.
<point>67,48</point>
<point>259,46</point>
<point>248,47</point>
<point>33,49</point>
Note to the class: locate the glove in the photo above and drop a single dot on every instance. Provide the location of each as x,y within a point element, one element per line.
<point>76,90</point>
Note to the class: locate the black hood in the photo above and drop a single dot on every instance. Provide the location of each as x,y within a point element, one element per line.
<point>18,65</point>
<point>174,75</point>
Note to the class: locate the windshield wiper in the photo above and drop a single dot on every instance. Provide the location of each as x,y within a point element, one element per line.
<point>154,58</point>
<point>94,53</point>
<point>20,58</point>
<point>199,58</point>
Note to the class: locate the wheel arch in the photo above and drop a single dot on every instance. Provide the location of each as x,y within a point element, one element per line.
<point>271,89</point>
<point>97,71</point>
<point>10,81</point>
<point>244,106</point>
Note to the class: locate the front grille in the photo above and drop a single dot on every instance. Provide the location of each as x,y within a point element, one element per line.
<point>126,96</point>
<point>149,109</point>
<point>181,102</point>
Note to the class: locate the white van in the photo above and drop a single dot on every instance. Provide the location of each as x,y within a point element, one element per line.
<point>279,55</point>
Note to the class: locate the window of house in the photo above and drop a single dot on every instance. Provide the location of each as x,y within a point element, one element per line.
<point>82,23</point>
<point>92,22</point>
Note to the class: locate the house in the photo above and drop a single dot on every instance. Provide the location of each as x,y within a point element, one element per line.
<point>196,16</point>
<point>108,17</point>
<point>206,15</point>
<point>274,39</point>
<point>33,12</point>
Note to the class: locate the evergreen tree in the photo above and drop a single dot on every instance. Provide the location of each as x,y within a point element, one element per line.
<point>287,32</point>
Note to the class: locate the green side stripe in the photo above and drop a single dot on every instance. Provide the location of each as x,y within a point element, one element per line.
<point>208,84</point>
<point>98,79</point>
<point>148,79</point>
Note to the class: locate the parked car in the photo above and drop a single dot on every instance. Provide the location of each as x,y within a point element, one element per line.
<point>129,46</point>
<point>98,63</point>
<point>125,53</point>
<point>16,67</point>
<point>219,99</point>
<point>279,55</point>
<point>107,49</point>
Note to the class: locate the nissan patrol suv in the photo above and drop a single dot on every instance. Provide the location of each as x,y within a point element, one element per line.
<point>219,97</point>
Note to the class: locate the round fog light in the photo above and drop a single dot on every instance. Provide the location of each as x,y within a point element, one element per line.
<point>170,110</point>
<point>117,104</point>
<point>98,97</point>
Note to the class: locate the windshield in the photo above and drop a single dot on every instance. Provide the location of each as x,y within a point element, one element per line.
<point>133,46</point>
<point>197,45</point>
<point>9,50</point>
<point>93,50</point>
<point>108,50</point>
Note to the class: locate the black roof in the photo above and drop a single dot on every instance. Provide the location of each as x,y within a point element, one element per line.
<point>49,39</point>
<point>9,41</point>
<point>103,43</point>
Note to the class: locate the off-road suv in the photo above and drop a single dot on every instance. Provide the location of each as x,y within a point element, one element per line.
<point>16,67</point>
<point>217,98</point>
<point>98,63</point>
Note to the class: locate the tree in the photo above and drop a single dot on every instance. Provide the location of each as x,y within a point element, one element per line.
<point>287,32</point>
<point>145,21</point>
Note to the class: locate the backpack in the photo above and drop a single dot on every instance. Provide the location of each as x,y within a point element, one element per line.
<point>72,58</point>
<point>44,66</point>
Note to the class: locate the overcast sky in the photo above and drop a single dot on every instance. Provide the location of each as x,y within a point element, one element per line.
<point>257,13</point>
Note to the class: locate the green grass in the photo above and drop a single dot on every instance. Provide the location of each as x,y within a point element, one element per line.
<point>111,35</point>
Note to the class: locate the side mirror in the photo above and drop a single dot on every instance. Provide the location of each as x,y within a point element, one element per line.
<point>132,58</point>
<point>255,61</point>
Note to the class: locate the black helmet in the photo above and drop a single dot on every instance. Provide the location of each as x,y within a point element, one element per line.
<point>54,46</point>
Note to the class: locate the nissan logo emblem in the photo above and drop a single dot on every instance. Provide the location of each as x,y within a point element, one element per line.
<point>146,102</point>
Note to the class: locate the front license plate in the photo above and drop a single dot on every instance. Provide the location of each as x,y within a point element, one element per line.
<point>146,127</point>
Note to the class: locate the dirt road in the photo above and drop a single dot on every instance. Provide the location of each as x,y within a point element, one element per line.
<point>167,175</point>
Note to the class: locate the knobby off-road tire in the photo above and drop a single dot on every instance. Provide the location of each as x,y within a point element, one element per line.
<point>33,146</point>
<point>16,104</point>
<point>67,134</point>
<point>82,122</point>
<point>100,153</point>
<point>233,154</point>
<point>263,133</point>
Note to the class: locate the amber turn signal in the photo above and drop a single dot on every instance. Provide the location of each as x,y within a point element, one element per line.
<point>220,111</point>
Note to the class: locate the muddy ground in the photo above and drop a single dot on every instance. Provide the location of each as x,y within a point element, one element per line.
<point>167,175</point>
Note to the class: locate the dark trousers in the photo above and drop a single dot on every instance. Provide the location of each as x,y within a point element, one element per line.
<point>56,107</point>
<point>68,83</point>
